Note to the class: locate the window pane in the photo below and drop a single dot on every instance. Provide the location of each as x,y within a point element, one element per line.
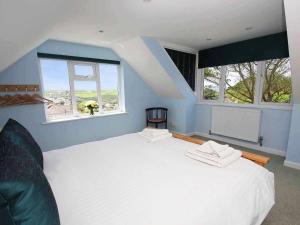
<point>211,83</point>
<point>85,93</point>
<point>109,77</point>
<point>84,70</point>
<point>240,83</point>
<point>56,88</point>
<point>277,81</point>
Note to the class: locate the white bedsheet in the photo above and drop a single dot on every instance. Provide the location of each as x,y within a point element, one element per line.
<point>128,181</point>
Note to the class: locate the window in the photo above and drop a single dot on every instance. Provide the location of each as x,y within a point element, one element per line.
<point>73,85</point>
<point>57,88</point>
<point>211,83</point>
<point>85,91</point>
<point>249,83</point>
<point>109,87</point>
<point>84,70</point>
<point>277,80</point>
<point>240,83</point>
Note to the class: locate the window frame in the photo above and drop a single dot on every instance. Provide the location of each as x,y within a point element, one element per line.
<point>262,79</point>
<point>201,89</point>
<point>258,91</point>
<point>257,85</point>
<point>72,77</point>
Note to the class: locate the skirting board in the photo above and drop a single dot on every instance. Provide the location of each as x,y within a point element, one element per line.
<point>242,143</point>
<point>291,164</point>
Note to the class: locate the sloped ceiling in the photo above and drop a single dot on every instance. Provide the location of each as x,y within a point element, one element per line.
<point>26,24</point>
<point>147,66</point>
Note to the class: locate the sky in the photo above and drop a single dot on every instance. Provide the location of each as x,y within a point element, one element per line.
<point>55,76</point>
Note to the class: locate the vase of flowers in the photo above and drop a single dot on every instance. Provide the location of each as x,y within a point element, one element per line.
<point>91,106</point>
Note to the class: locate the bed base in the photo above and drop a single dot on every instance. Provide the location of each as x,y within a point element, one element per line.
<point>258,159</point>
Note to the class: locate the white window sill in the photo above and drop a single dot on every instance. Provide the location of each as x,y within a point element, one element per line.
<point>69,119</point>
<point>279,106</point>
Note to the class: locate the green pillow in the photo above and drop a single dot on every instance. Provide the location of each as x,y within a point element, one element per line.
<point>27,198</point>
<point>19,135</point>
<point>5,216</point>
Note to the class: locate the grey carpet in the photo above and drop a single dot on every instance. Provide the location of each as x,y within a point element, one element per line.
<point>286,210</point>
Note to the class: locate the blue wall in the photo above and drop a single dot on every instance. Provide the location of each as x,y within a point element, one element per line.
<point>182,111</point>
<point>275,125</point>
<point>184,114</point>
<point>138,96</point>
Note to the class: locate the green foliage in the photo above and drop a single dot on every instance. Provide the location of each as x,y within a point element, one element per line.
<point>277,86</point>
<point>108,97</point>
<point>82,98</point>
<point>210,93</point>
<point>240,83</point>
<point>212,76</point>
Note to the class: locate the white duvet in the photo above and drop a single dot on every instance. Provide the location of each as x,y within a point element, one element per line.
<point>129,181</point>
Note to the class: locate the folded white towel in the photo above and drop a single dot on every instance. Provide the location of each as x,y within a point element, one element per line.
<point>216,161</point>
<point>213,148</point>
<point>205,148</point>
<point>216,147</point>
<point>151,132</point>
<point>225,153</point>
<point>220,155</point>
<point>155,138</point>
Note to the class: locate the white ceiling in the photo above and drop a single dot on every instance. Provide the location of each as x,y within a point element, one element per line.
<point>26,24</point>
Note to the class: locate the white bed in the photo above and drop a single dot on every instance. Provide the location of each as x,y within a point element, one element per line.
<point>128,181</point>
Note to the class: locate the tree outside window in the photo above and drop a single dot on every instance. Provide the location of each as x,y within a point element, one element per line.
<point>211,83</point>
<point>240,82</point>
<point>277,81</point>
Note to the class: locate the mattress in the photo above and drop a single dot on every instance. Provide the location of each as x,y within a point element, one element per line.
<point>127,181</point>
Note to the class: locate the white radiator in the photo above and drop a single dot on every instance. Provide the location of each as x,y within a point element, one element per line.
<point>240,123</point>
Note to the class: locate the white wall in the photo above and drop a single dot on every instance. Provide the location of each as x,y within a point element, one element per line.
<point>292,12</point>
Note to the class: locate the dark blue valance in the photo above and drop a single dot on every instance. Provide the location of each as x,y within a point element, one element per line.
<point>76,58</point>
<point>268,47</point>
